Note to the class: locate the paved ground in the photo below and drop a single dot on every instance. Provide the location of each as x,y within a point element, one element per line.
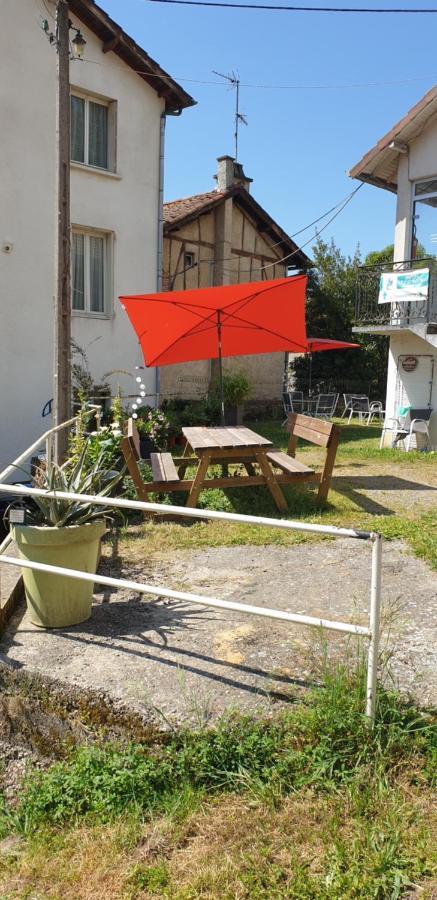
<point>191,662</point>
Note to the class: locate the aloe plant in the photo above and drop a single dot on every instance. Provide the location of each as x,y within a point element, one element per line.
<point>80,479</point>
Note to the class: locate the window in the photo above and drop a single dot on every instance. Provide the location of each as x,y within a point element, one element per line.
<point>92,132</point>
<point>188,260</point>
<point>424,230</point>
<point>90,272</point>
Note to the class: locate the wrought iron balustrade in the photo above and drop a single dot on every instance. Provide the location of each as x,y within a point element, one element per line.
<point>368,311</point>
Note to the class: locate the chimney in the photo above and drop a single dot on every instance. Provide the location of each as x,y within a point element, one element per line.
<point>229,173</point>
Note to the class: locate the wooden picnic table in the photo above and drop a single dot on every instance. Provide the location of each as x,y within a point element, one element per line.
<point>225,445</point>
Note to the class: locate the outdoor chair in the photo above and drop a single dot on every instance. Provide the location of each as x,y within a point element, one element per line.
<point>326,405</point>
<point>376,410</point>
<point>292,401</point>
<point>414,423</point>
<point>356,404</point>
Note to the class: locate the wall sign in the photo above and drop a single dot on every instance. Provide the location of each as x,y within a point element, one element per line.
<point>409,363</point>
<point>395,287</point>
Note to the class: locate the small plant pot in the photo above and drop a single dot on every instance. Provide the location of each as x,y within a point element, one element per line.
<point>147,446</point>
<point>234,415</point>
<point>56,601</point>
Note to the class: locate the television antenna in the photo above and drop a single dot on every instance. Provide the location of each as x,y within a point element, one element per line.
<point>239,117</point>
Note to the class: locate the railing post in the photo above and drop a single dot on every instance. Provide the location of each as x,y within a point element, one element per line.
<point>374,626</point>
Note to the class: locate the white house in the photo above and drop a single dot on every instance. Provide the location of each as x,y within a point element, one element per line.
<point>401,300</point>
<point>119,100</point>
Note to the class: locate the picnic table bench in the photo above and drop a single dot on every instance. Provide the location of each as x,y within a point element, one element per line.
<point>222,446</point>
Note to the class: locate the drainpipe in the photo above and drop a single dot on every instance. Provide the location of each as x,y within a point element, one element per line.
<point>160,242</point>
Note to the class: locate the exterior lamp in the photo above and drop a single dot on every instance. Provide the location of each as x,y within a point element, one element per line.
<point>78,43</point>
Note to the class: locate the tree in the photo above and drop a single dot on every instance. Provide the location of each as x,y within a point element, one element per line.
<point>330,313</point>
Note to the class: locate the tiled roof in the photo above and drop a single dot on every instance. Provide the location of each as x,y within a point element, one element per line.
<point>179,212</point>
<point>179,209</point>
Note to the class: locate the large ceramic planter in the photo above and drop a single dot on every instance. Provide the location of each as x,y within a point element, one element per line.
<point>55,601</point>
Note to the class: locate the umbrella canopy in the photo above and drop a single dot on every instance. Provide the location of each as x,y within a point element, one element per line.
<point>209,323</point>
<point>315,345</point>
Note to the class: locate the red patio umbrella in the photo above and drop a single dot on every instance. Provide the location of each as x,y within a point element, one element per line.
<point>315,345</point>
<point>210,323</point>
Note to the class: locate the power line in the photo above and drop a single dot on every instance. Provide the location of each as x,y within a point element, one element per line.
<point>313,9</point>
<point>298,249</point>
<point>286,87</point>
<point>339,207</point>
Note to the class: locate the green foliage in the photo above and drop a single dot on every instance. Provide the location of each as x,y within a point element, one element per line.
<point>149,878</point>
<point>330,313</point>
<point>82,478</point>
<point>325,742</point>
<point>103,444</point>
<point>236,388</point>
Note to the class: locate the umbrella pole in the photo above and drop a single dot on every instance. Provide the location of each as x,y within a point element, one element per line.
<point>310,374</point>
<point>222,396</point>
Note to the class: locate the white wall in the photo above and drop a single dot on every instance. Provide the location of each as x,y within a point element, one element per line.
<point>125,204</point>
<point>419,163</point>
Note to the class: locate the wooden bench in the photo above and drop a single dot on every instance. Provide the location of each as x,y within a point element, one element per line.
<point>315,431</point>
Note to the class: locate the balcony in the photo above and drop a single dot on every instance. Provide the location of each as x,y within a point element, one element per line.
<point>407,309</point>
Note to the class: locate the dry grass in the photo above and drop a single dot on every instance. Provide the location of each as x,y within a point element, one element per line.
<point>232,847</point>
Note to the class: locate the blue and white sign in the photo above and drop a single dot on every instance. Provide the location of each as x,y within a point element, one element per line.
<point>395,287</point>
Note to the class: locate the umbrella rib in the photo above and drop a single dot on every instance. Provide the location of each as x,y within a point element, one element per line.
<point>268,287</point>
<point>275,333</point>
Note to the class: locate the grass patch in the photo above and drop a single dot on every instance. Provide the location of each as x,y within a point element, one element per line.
<point>360,466</point>
<point>323,742</point>
<point>311,803</point>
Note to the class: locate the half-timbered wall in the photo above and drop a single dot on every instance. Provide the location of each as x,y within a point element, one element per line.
<point>250,251</point>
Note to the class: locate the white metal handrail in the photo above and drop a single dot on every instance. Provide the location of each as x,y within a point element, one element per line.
<point>371,631</point>
<point>46,438</point>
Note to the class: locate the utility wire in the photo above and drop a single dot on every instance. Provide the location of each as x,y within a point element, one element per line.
<point>339,207</point>
<point>285,87</point>
<point>313,9</point>
<point>298,249</point>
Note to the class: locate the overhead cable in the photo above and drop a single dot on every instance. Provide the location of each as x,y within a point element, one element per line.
<point>313,9</point>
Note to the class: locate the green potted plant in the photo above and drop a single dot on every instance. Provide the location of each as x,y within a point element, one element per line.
<point>153,430</point>
<point>236,389</point>
<point>65,533</point>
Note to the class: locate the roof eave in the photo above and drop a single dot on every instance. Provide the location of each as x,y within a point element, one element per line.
<point>115,40</point>
<point>400,132</point>
<point>368,178</point>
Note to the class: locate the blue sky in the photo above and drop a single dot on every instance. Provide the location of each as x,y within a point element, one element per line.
<point>299,144</point>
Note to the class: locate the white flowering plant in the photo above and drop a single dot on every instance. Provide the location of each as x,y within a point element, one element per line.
<point>155,425</point>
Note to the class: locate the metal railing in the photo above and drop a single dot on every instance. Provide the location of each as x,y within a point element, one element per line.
<point>370,631</point>
<point>369,312</point>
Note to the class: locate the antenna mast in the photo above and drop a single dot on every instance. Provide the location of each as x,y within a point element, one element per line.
<point>234,82</point>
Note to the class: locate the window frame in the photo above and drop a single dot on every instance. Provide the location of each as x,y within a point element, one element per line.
<point>418,198</point>
<point>192,255</point>
<point>108,238</point>
<point>111,106</point>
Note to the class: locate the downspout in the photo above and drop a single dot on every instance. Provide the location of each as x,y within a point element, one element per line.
<point>160,242</point>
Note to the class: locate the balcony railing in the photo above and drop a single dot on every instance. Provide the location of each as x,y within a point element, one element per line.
<point>402,313</point>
